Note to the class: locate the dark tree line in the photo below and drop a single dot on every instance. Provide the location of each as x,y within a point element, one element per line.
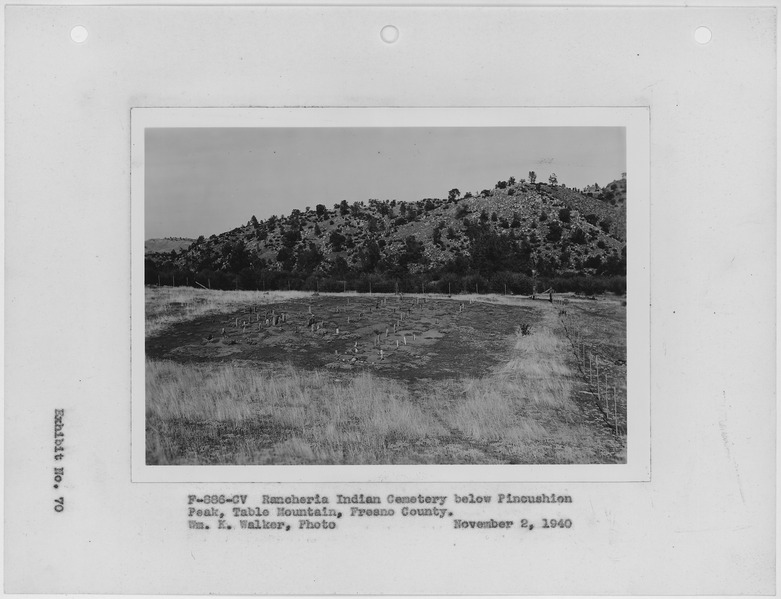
<point>496,264</point>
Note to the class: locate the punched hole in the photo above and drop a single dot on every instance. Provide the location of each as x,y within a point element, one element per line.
<point>389,34</point>
<point>702,35</point>
<point>79,34</point>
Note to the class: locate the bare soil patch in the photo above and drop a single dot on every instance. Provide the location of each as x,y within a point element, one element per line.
<point>403,338</point>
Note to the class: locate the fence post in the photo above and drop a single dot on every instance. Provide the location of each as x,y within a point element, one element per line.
<point>615,410</point>
<point>590,382</point>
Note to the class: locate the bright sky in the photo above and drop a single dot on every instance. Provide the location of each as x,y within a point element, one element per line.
<point>203,181</point>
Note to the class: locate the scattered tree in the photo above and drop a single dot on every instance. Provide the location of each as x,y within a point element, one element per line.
<point>578,236</point>
<point>337,239</point>
<point>554,232</point>
<point>591,219</point>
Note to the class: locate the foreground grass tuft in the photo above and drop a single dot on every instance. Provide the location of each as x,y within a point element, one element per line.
<point>233,414</point>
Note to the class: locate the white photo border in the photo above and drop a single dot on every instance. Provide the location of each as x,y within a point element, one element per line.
<point>635,120</point>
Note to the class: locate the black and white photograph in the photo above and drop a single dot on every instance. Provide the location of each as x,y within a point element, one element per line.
<point>385,295</point>
<point>390,299</point>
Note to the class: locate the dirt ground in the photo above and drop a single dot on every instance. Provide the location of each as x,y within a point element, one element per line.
<point>405,338</point>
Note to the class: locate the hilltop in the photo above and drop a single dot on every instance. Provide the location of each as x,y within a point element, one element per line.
<point>166,244</point>
<point>499,236</point>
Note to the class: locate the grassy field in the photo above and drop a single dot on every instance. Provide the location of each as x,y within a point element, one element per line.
<point>349,379</point>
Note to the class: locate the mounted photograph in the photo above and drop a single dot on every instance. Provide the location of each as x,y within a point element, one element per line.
<point>376,295</point>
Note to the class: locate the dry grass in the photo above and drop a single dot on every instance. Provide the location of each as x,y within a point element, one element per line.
<point>237,413</point>
<point>491,410</point>
<point>597,331</point>
<point>166,306</point>
<point>538,367</point>
<point>525,412</point>
<point>280,417</point>
<point>535,375</point>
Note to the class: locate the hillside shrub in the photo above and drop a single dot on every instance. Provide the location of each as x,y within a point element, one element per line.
<point>337,240</point>
<point>578,237</point>
<point>554,232</point>
<point>594,262</point>
<point>587,285</point>
<point>516,283</point>
<point>591,219</point>
<point>608,196</point>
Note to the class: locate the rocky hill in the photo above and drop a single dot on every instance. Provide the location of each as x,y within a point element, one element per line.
<point>515,227</point>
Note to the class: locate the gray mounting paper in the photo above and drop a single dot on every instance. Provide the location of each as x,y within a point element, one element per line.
<point>705,521</point>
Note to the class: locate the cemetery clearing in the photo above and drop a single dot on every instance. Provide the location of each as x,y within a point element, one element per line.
<point>295,378</point>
